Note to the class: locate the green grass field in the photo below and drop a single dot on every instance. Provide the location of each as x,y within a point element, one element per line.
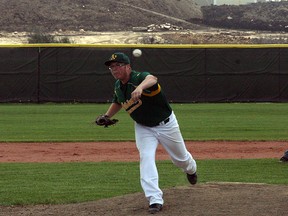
<point>66,122</point>
<point>33,183</point>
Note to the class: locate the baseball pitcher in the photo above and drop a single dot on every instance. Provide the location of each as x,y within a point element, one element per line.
<point>141,96</point>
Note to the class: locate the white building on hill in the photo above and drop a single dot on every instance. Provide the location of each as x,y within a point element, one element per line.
<point>233,2</point>
<point>271,0</point>
<point>204,2</point>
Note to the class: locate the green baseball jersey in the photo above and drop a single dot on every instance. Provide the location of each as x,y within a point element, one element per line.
<point>151,109</point>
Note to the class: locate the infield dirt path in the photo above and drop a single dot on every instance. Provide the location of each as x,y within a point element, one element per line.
<point>126,151</point>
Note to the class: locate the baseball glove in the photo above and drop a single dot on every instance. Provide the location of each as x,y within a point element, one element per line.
<point>104,120</point>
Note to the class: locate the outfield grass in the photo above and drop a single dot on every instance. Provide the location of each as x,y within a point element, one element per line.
<point>74,122</point>
<point>56,183</point>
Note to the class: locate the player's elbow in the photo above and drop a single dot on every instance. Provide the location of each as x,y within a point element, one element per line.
<point>153,79</point>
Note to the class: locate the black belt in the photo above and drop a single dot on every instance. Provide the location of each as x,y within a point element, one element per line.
<point>166,120</point>
<point>160,123</point>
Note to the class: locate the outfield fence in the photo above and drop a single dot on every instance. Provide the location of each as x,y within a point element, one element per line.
<point>188,73</point>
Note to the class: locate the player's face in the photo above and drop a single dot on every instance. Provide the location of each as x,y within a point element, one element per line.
<point>118,70</point>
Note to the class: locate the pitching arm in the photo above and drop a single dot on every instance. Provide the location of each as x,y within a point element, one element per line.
<point>148,82</point>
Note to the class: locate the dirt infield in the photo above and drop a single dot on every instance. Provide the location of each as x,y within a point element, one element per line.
<point>202,199</point>
<point>126,151</point>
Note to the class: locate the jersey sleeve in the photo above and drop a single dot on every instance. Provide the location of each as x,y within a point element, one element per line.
<point>153,90</point>
<point>115,98</point>
<point>143,76</point>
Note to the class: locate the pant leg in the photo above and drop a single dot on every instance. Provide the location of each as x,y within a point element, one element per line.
<point>171,139</point>
<point>147,144</point>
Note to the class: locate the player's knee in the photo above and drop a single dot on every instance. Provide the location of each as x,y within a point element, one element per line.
<point>181,164</point>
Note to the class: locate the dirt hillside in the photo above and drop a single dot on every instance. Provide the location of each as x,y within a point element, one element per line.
<point>114,22</point>
<point>270,16</point>
<point>91,15</point>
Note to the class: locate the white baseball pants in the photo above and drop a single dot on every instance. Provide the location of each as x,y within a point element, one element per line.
<point>147,140</point>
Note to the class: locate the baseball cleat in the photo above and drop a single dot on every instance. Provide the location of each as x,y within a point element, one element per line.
<point>154,208</point>
<point>192,178</point>
<point>285,157</point>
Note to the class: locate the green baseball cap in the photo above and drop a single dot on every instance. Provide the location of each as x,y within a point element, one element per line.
<point>118,57</point>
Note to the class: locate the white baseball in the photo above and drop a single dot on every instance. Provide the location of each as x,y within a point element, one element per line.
<point>137,52</point>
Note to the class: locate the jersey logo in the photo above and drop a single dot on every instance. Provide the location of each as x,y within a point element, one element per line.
<point>113,57</point>
<point>131,105</point>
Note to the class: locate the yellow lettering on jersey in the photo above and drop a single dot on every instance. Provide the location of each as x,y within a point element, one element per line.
<point>130,105</point>
<point>153,93</point>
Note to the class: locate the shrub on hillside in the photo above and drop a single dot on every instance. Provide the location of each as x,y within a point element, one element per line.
<point>46,38</point>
